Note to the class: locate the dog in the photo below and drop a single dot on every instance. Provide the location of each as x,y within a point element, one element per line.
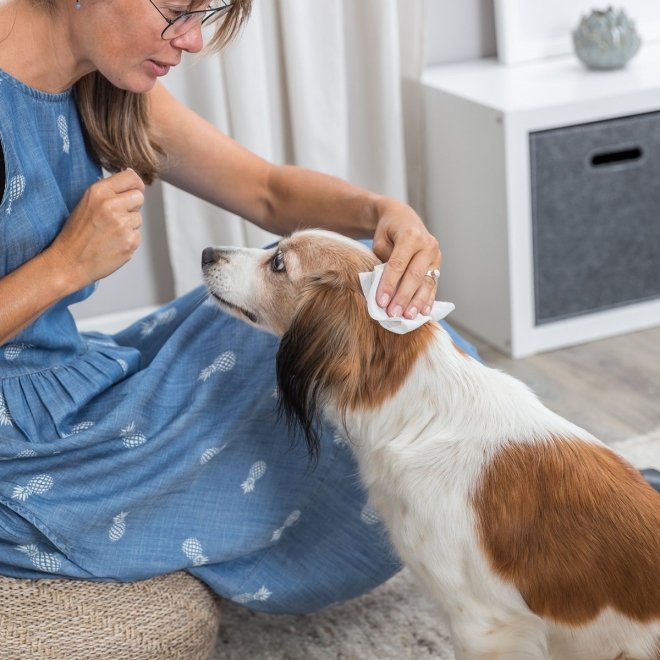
<point>535,539</point>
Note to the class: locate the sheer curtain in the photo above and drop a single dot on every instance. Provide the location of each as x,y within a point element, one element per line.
<point>311,83</point>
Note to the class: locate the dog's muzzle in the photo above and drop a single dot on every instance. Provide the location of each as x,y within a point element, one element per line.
<point>209,256</point>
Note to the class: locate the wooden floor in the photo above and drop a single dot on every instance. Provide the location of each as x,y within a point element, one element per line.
<point>609,387</point>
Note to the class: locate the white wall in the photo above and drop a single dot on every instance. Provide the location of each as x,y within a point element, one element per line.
<point>457,30</point>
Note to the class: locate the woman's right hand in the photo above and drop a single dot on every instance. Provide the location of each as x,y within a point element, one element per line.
<point>98,237</point>
<point>103,231</point>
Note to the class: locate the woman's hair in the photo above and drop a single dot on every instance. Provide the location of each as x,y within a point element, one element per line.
<point>116,121</point>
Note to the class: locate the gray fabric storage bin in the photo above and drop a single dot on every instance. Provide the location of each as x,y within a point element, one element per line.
<point>595,216</point>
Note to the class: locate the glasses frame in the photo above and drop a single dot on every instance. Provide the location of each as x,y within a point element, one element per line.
<point>209,14</point>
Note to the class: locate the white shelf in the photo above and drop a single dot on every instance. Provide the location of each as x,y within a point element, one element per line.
<point>479,116</point>
<point>558,81</point>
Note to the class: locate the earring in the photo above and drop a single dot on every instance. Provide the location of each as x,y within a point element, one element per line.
<point>77,5</point>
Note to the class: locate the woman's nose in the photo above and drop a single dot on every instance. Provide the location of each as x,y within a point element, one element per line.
<point>191,41</point>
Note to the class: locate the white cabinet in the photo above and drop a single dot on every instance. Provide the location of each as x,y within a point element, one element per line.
<point>481,119</point>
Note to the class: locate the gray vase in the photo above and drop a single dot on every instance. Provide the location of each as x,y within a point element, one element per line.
<point>606,39</point>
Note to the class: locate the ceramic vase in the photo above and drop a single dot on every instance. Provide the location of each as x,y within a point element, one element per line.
<point>606,39</point>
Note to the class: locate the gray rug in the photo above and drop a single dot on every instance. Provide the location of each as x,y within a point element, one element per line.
<point>393,621</point>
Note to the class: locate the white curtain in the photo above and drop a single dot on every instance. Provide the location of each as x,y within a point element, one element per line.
<point>315,83</point>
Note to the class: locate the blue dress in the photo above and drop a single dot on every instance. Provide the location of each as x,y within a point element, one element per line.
<point>158,448</point>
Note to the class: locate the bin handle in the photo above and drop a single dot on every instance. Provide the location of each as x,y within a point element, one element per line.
<point>618,157</point>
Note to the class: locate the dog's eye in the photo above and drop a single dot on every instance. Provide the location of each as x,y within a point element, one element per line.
<point>277,263</point>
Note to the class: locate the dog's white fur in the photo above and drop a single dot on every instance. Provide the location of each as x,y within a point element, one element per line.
<point>437,436</point>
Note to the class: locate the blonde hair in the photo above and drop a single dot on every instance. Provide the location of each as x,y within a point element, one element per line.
<point>116,121</point>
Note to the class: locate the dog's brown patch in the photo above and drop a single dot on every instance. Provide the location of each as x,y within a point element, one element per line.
<point>333,352</point>
<point>352,355</point>
<point>574,528</point>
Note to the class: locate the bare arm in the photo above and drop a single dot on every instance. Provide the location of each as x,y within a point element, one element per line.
<point>99,237</point>
<point>28,292</point>
<point>209,164</point>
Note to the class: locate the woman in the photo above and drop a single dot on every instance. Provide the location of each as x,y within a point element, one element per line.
<point>159,448</point>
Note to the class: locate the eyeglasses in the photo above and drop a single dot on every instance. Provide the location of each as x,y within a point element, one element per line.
<point>179,22</point>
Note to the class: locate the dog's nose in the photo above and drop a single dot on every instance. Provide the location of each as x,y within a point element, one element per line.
<point>208,256</point>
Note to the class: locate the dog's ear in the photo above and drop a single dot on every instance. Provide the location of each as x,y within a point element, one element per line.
<point>335,353</point>
<point>316,349</point>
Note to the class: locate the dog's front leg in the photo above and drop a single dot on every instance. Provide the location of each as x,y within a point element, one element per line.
<point>485,636</point>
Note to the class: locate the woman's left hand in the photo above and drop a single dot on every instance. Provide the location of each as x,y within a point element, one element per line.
<point>410,252</point>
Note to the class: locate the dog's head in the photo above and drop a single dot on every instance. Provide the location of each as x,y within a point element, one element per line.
<point>307,291</point>
<point>267,287</point>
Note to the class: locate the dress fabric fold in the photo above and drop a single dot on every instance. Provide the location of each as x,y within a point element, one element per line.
<point>158,448</point>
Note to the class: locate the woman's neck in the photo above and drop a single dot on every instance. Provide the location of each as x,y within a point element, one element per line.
<point>36,47</point>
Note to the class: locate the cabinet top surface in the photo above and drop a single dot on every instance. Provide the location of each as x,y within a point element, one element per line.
<point>550,82</point>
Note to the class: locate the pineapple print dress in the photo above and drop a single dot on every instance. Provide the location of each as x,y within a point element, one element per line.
<point>158,448</point>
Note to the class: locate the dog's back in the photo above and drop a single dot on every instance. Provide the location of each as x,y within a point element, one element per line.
<point>524,527</point>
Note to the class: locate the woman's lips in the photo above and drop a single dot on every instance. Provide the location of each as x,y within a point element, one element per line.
<point>160,68</point>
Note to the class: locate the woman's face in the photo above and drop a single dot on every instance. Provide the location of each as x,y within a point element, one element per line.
<point>122,39</point>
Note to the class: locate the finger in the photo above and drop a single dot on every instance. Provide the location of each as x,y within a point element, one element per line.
<point>415,290</point>
<point>134,200</point>
<point>416,252</point>
<point>124,181</point>
<point>423,299</point>
<point>130,201</point>
<point>406,259</point>
<point>134,221</point>
<point>394,270</point>
<point>131,236</point>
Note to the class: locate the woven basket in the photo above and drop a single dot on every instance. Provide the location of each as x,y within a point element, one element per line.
<point>169,617</point>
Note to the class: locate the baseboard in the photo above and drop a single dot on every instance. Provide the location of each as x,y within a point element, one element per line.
<point>111,323</point>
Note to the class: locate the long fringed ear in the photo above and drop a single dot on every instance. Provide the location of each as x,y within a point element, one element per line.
<point>298,396</point>
<point>335,356</point>
<point>313,352</point>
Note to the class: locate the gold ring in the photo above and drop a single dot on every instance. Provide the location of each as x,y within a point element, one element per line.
<point>433,274</point>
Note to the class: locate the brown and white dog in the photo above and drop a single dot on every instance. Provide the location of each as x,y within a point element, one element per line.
<point>535,538</point>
